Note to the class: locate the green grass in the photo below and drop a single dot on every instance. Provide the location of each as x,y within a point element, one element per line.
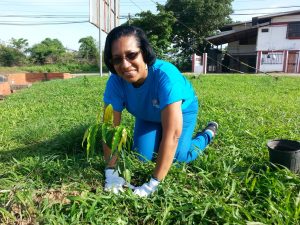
<point>46,179</point>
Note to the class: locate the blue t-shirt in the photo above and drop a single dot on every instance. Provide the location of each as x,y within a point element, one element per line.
<point>164,85</point>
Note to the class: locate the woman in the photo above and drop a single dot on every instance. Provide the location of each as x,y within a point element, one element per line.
<point>162,101</point>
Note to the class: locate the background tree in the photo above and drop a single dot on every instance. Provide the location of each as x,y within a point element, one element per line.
<point>20,44</point>
<point>88,49</point>
<point>11,57</point>
<point>48,51</point>
<point>158,29</point>
<point>13,54</point>
<point>68,57</point>
<point>197,19</point>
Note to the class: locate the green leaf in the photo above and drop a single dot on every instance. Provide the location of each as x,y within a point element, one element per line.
<point>123,140</point>
<point>232,190</point>
<point>91,139</point>
<point>116,139</point>
<point>253,184</point>
<point>84,137</point>
<point>98,118</point>
<point>108,114</point>
<point>104,131</point>
<point>127,175</point>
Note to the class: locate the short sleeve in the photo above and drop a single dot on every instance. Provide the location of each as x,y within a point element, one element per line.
<point>171,87</point>
<point>114,93</point>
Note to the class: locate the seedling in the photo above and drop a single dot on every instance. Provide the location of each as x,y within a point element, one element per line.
<point>116,137</point>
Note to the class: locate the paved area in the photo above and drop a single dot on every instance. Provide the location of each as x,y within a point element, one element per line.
<point>88,74</point>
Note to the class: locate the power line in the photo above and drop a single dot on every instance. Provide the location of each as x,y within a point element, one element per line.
<point>44,16</point>
<point>279,7</point>
<point>136,5</point>
<point>48,16</point>
<point>232,14</point>
<point>231,69</point>
<point>250,14</point>
<point>39,11</point>
<point>44,2</point>
<point>142,1</point>
<point>235,10</point>
<point>238,1</point>
<point>46,23</point>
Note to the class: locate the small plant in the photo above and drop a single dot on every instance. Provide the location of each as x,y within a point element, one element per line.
<point>86,82</point>
<point>117,139</point>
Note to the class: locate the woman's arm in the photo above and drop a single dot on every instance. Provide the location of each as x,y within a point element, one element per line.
<point>172,127</point>
<point>111,161</point>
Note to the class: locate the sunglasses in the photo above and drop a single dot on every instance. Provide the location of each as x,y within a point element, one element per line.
<point>129,57</point>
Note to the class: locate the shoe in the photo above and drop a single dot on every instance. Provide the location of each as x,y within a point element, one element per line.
<point>211,127</point>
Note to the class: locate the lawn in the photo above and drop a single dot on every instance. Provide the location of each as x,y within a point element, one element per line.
<point>45,177</point>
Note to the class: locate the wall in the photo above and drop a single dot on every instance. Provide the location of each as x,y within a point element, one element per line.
<point>27,78</point>
<point>197,64</point>
<point>271,67</point>
<point>4,89</point>
<point>276,39</point>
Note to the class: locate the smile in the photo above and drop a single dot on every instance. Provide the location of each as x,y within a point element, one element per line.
<point>129,73</point>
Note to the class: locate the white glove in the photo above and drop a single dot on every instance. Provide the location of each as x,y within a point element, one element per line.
<point>113,182</point>
<point>147,188</point>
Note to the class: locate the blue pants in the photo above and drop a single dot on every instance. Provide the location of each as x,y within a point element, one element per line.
<point>147,137</point>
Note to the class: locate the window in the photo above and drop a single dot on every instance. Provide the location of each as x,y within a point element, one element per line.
<point>293,30</point>
<point>265,30</point>
<point>272,58</point>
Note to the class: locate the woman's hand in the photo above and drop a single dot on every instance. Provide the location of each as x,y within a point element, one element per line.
<point>147,188</point>
<point>114,183</point>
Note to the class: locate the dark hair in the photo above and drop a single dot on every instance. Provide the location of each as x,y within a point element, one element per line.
<point>142,41</point>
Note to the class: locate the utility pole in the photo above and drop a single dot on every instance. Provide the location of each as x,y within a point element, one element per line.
<point>129,19</point>
<point>100,51</point>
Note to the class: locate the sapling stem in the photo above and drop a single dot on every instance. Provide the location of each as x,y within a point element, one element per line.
<point>115,137</point>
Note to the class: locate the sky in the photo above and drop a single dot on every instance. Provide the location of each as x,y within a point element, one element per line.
<point>36,20</point>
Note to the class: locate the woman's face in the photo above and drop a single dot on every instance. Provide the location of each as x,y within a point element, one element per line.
<point>128,61</point>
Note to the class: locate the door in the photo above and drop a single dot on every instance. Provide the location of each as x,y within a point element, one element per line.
<point>292,62</point>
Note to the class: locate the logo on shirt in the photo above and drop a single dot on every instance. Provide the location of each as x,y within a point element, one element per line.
<point>155,103</point>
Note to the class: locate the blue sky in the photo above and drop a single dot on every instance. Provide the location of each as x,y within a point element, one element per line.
<point>22,12</point>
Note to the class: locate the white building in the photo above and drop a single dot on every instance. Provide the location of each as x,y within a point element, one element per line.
<point>269,43</point>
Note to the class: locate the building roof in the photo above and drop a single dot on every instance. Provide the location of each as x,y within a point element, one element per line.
<point>228,27</point>
<point>279,14</point>
<point>229,35</point>
<point>259,18</point>
<point>234,35</point>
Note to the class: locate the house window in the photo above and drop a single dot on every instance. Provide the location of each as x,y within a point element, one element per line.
<point>265,30</point>
<point>272,58</point>
<point>293,30</point>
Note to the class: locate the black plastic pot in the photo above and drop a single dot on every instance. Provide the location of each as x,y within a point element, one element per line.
<point>285,153</point>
